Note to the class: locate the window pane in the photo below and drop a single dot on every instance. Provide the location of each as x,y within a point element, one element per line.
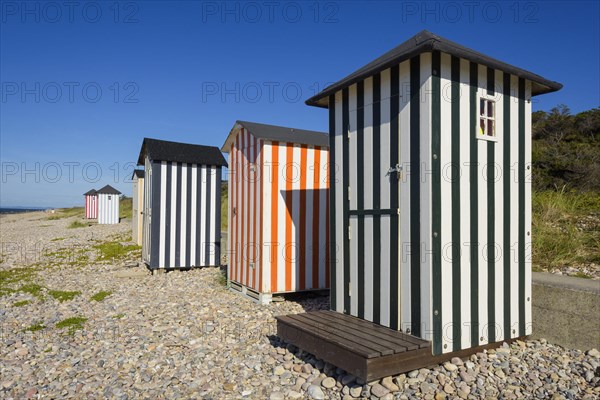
<point>481,107</point>
<point>482,126</point>
<point>490,130</point>
<point>490,109</point>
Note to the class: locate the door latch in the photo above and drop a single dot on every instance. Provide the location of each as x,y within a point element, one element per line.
<point>397,169</point>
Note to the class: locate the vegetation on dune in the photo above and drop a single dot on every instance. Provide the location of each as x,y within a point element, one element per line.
<point>126,207</point>
<point>566,188</point>
<point>67,213</point>
<point>224,207</point>
<point>566,150</point>
<point>21,303</point>
<point>566,229</point>
<point>77,224</point>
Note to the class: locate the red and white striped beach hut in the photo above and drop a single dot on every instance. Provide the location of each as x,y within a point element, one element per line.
<point>278,210</point>
<point>91,204</point>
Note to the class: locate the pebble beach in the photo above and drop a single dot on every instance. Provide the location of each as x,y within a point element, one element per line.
<point>80,318</point>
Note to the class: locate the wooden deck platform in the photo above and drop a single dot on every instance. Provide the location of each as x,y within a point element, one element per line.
<point>364,349</point>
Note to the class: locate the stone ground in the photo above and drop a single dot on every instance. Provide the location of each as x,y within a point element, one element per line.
<point>184,335</point>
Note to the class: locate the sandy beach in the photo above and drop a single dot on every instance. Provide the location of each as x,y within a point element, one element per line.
<point>80,319</point>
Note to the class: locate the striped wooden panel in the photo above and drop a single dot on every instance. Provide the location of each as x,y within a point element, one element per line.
<point>278,215</point>
<point>184,215</point>
<point>442,249</point>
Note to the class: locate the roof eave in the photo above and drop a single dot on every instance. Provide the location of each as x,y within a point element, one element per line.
<point>432,43</point>
<point>236,127</point>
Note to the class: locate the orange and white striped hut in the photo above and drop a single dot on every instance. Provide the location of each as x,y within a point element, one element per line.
<point>278,230</point>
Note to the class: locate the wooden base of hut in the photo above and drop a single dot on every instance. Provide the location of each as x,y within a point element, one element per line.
<point>362,348</point>
<point>260,298</point>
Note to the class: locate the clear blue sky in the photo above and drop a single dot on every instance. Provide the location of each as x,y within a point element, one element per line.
<point>185,71</point>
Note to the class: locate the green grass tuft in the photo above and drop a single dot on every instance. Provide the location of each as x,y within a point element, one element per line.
<point>32,289</point>
<point>77,224</point>
<point>118,316</point>
<point>565,229</point>
<point>38,326</point>
<point>72,324</point>
<point>100,296</point>
<point>21,303</point>
<point>114,250</point>
<point>57,239</point>
<point>63,296</point>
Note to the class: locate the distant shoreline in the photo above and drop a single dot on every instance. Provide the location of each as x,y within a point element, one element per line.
<point>14,210</point>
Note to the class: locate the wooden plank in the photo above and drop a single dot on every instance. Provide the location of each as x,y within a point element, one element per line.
<point>322,348</point>
<point>369,350</point>
<point>306,332</point>
<point>385,333</point>
<point>421,343</point>
<point>393,342</point>
<point>359,350</point>
<point>397,363</point>
<point>358,337</point>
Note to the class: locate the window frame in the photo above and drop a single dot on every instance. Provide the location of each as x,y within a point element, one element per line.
<point>494,118</point>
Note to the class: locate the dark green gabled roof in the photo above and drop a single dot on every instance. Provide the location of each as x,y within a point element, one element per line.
<point>424,42</point>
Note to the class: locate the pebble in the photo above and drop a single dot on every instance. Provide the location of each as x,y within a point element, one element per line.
<point>389,384</point>
<point>276,396</point>
<point>315,392</point>
<point>21,352</point>
<point>450,367</point>
<point>355,391</point>
<point>378,390</point>
<point>456,361</point>
<point>158,337</point>
<point>593,353</point>
<point>328,383</point>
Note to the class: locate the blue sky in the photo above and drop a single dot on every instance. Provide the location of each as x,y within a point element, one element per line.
<point>84,82</point>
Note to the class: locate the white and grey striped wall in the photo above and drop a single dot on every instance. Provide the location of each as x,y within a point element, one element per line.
<point>182,217</point>
<point>108,208</point>
<point>431,221</point>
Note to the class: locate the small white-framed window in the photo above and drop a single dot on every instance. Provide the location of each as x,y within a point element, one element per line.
<point>109,197</point>
<point>487,118</point>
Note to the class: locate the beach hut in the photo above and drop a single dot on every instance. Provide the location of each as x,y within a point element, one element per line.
<point>137,206</point>
<point>182,204</point>
<point>278,194</point>
<point>432,200</point>
<point>91,204</point>
<point>108,205</point>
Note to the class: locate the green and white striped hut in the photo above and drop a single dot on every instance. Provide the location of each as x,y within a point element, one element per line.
<point>431,193</point>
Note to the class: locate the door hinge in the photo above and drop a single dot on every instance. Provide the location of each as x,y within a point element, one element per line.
<point>349,232</point>
<point>349,289</point>
<point>349,193</point>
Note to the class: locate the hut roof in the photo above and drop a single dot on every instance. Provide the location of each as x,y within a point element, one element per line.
<point>163,150</point>
<point>108,190</point>
<point>90,192</point>
<point>278,133</point>
<point>423,42</point>
<point>138,173</point>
